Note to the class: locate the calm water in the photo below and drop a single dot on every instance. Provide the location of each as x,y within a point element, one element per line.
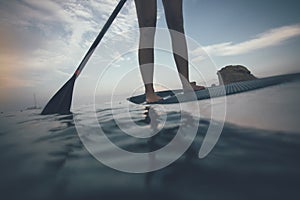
<point>42,157</point>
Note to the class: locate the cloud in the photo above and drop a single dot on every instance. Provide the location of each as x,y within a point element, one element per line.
<point>48,38</point>
<point>267,39</point>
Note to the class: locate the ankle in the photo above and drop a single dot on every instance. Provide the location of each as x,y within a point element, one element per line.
<point>149,89</point>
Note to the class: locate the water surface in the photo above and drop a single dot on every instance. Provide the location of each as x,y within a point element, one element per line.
<point>42,157</point>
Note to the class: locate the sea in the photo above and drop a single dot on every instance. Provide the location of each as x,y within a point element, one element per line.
<point>255,156</point>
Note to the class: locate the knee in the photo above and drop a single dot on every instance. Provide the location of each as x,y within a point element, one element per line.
<point>176,24</point>
<point>148,22</point>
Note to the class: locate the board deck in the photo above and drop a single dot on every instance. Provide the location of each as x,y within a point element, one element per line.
<point>177,96</point>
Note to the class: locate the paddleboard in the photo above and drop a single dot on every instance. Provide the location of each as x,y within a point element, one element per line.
<point>178,96</point>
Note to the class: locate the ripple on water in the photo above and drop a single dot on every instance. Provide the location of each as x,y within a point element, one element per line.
<point>45,154</point>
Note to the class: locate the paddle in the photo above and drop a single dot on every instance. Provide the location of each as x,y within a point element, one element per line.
<point>60,103</point>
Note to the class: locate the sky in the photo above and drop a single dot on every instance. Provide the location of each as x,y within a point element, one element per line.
<point>43,42</point>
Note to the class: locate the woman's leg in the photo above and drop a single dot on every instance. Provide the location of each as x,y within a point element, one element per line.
<point>174,18</point>
<point>147,15</point>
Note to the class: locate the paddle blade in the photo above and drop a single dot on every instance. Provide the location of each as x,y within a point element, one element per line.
<point>60,103</point>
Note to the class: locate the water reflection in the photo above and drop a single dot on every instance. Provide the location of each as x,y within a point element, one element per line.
<point>67,120</point>
<point>245,164</point>
<point>152,119</point>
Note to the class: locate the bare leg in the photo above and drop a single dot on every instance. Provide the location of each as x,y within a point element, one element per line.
<point>147,14</point>
<point>174,17</point>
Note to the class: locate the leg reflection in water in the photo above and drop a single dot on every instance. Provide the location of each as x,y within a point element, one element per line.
<point>164,135</point>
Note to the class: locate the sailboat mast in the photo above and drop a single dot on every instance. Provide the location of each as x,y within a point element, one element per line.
<point>34,97</point>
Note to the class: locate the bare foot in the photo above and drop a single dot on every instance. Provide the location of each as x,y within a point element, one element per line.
<point>152,97</point>
<point>197,87</point>
<point>193,86</point>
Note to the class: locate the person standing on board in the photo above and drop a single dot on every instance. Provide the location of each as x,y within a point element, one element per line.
<point>147,17</point>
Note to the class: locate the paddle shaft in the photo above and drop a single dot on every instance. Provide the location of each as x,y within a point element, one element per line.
<point>99,37</point>
<point>60,103</point>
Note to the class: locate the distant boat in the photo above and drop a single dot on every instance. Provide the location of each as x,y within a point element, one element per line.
<point>35,104</point>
